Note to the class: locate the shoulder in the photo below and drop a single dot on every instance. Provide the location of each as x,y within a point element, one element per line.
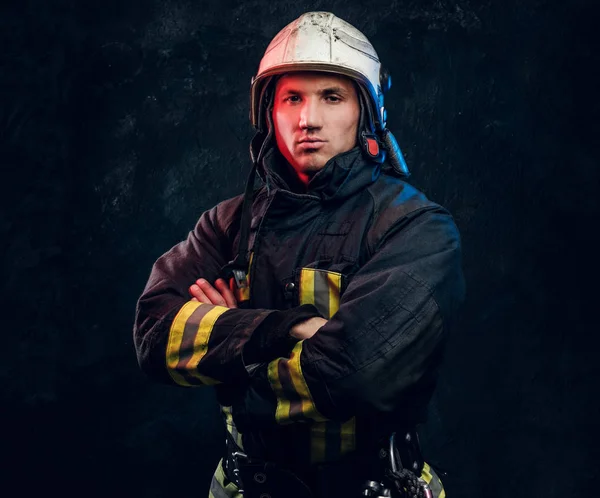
<point>398,205</point>
<point>397,197</point>
<point>220,217</point>
<point>226,210</point>
<point>226,215</point>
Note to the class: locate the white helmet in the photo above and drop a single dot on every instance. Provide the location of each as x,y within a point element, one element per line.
<point>320,41</point>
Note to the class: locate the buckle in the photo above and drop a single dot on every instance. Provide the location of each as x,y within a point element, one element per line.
<point>236,456</point>
<point>240,277</point>
<point>412,454</point>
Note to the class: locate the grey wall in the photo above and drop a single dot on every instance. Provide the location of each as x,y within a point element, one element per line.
<point>121,121</point>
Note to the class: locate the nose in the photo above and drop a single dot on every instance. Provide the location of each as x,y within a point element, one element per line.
<point>310,115</point>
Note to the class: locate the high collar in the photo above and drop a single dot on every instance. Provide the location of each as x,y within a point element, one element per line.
<point>342,175</point>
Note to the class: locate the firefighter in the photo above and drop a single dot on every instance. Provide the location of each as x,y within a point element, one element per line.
<point>317,303</point>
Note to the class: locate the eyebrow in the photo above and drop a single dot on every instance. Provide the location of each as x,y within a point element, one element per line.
<point>325,91</point>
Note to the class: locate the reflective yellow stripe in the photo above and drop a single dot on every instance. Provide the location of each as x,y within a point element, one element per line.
<point>426,473</point>
<point>175,338</point>
<point>200,343</point>
<point>282,412</point>
<point>307,286</point>
<point>308,407</point>
<point>334,281</point>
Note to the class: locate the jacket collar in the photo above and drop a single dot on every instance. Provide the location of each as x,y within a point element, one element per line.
<point>342,175</point>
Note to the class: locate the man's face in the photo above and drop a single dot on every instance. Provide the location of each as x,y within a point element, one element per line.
<point>316,117</point>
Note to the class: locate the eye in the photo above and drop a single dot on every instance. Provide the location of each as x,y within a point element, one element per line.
<point>292,98</point>
<point>333,98</point>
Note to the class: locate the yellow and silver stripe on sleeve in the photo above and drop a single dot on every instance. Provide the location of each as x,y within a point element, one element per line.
<point>188,342</point>
<point>294,401</point>
<point>321,288</point>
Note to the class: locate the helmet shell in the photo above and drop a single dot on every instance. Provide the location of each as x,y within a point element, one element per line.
<point>320,41</point>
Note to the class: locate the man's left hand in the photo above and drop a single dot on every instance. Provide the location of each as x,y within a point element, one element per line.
<point>307,328</point>
<point>203,292</point>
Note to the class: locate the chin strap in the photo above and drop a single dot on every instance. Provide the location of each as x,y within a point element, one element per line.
<point>238,267</point>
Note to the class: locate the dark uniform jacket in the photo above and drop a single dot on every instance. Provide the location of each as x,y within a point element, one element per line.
<point>359,247</point>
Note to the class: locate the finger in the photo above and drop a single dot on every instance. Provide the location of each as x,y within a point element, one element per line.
<point>225,291</point>
<point>212,294</point>
<point>194,299</point>
<point>197,293</point>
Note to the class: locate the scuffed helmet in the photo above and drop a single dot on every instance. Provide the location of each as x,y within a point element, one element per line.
<point>321,41</point>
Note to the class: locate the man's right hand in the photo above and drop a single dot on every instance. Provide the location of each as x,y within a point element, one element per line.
<point>222,295</point>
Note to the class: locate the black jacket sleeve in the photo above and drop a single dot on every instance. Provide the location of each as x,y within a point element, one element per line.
<point>384,340</point>
<point>188,343</point>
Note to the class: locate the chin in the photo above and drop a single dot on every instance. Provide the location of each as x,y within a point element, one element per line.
<point>314,163</point>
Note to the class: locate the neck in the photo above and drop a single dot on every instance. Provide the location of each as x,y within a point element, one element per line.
<point>295,181</point>
<point>303,177</point>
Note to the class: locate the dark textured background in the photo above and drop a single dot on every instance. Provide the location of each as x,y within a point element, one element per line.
<point>121,121</point>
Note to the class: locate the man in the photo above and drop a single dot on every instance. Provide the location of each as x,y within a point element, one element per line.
<point>317,305</point>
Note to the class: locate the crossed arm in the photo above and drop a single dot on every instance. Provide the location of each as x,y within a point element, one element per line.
<point>221,295</point>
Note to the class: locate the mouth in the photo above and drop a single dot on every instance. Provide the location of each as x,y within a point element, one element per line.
<point>308,144</point>
<point>311,141</point>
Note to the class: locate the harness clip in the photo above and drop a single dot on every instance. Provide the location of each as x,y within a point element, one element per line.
<point>240,277</point>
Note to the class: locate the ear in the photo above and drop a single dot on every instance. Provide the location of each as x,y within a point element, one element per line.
<point>265,102</point>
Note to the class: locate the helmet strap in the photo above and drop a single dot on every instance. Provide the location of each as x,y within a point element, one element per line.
<point>238,267</point>
<point>264,132</point>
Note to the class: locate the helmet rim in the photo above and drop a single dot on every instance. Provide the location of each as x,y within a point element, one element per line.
<point>318,67</point>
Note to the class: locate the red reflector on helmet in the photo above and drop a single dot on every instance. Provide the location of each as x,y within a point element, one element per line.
<point>373,147</point>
